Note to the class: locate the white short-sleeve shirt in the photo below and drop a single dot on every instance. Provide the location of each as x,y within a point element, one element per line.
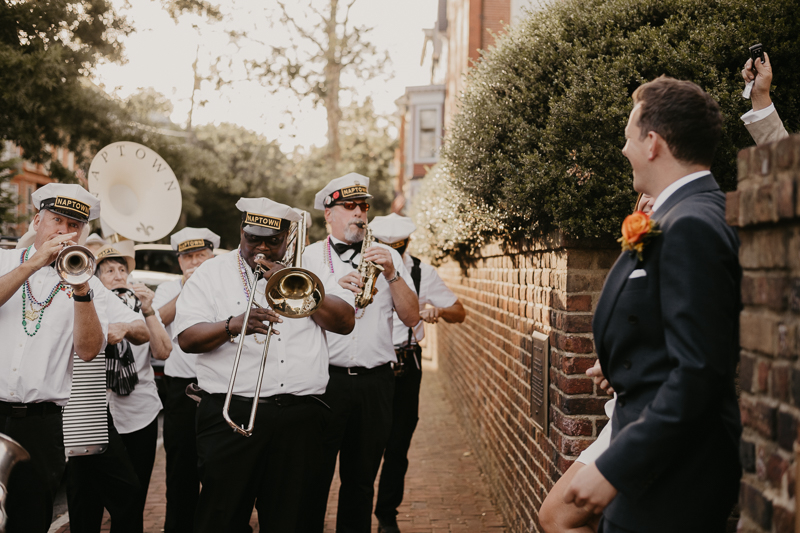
<point>38,368</point>
<point>179,364</point>
<point>297,361</point>
<point>432,291</point>
<point>139,408</point>
<point>370,343</point>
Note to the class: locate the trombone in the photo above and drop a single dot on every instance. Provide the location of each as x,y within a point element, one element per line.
<point>293,292</point>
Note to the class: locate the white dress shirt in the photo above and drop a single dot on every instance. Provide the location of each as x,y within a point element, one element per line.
<point>754,116</point>
<point>136,410</point>
<point>370,343</point>
<point>39,368</point>
<point>432,290</point>
<point>179,364</point>
<point>297,361</point>
<point>675,185</point>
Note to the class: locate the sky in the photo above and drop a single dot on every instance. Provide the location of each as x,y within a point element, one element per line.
<point>160,54</point>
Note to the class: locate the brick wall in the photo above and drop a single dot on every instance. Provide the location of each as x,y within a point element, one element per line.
<point>550,286</point>
<point>496,15</point>
<point>765,209</point>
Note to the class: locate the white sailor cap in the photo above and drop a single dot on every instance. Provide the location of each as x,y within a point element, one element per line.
<point>263,217</point>
<point>190,240</point>
<point>392,230</point>
<point>124,249</point>
<point>348,187</point>
<point>67,199</point>
<point>94,238</point>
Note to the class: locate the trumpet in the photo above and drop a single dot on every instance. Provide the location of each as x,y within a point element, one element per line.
<point>368,270</point>
<point>293,292</point>
<point>75,264</point>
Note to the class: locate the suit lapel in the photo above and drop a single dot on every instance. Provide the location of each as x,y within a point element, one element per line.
<point>608,297</point>
<point>627,262</point>
<point>703,184</point>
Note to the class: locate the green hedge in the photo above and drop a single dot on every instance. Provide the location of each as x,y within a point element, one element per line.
<point>536,143</point>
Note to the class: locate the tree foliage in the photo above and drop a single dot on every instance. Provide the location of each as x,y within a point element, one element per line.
<point>541,122</point>
<point>367,148</point>
<point>324,45</point>
<point>46,51</point>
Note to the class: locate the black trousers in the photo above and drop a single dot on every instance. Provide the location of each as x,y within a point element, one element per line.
<point>273,468</point>
<point>183,481</point>
<point>405,415</point>
<point>361,419</point>
<point>32,484</point>
<point>106,480</point>
<point>141,448</point>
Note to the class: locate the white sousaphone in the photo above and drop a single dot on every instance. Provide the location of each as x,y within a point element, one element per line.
<point>140,197</point>
<point>140,200</point>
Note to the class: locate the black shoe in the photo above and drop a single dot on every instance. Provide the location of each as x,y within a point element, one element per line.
<point>388,526</point>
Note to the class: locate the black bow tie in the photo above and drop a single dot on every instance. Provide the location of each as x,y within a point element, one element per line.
<point>340,248</point>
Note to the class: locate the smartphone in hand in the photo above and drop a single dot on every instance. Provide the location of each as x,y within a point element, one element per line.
<point>756,52</point>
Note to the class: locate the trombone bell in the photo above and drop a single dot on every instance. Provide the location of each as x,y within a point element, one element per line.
<point>294,292</point>
<point>75,264</point>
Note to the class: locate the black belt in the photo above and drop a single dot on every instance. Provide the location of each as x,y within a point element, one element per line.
<point>358,370</point>
<point>281,400</point>
<point>21,410</point>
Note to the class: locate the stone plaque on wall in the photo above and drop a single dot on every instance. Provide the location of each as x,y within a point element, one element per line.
<point>540,377</point>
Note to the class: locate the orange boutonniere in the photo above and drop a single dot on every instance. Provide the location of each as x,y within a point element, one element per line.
<point>637,230</point>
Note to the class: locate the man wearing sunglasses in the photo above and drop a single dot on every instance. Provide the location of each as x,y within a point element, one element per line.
<point>361,385</point>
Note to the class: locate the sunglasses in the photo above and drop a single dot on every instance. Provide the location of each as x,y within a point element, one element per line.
<point>350,206</point>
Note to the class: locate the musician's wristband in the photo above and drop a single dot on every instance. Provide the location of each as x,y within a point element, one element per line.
<point>395,278</point>
<point>85,298</point>
<point>228,329</point>
<point>148,313</point>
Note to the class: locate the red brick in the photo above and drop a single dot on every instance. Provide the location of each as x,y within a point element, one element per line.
<point>758,416</point>
<point>574,427</point>
<point>574,385</point>
<point>784,194</point>
<point>783,519</point>
<point>732,208</point>
<point>756,506</point>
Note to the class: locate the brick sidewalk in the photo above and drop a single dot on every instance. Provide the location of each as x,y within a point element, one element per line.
<point>444,487</point>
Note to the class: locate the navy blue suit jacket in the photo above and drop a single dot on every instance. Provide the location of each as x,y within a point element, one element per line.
<point>668,342</point>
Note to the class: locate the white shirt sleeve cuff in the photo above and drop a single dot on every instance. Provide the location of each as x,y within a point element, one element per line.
<point>754,116</point>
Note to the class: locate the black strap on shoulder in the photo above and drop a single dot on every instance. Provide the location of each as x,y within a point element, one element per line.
<point>416,277</point>
<point>416,272</point>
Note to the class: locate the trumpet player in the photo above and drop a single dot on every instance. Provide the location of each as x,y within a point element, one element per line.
<point>361,383</point>
<point>42,321</point>
<point>272,467</point>
<point>194,247</point>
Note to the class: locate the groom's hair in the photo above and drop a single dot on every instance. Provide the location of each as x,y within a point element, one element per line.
<point>684,115</point>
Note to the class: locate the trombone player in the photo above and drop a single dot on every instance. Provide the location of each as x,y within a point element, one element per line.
<point>43,320</point>
<point>361,384</point>
<point>272,467</point>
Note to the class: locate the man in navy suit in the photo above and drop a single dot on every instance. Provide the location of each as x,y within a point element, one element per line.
<point>666,330</point>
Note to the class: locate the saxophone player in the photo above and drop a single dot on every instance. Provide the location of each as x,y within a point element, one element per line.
<point>361,385</point>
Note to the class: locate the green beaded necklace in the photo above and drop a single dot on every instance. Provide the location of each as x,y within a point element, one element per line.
<point>32,314</point>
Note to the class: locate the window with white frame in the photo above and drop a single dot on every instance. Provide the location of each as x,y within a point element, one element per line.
<point>428,146</point>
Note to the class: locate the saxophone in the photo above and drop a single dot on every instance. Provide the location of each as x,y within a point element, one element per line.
<point>369,272</point>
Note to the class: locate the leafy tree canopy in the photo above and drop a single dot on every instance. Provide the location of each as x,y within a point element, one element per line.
<point>538,136</point>
<point>47,48</point>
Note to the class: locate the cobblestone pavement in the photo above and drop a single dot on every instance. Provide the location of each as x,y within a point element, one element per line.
<point>445,490</point>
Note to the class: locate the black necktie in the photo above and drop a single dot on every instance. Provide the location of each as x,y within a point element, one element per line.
<point>340,248</point>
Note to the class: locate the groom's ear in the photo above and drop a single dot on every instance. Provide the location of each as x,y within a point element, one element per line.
<point>656,146</point>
